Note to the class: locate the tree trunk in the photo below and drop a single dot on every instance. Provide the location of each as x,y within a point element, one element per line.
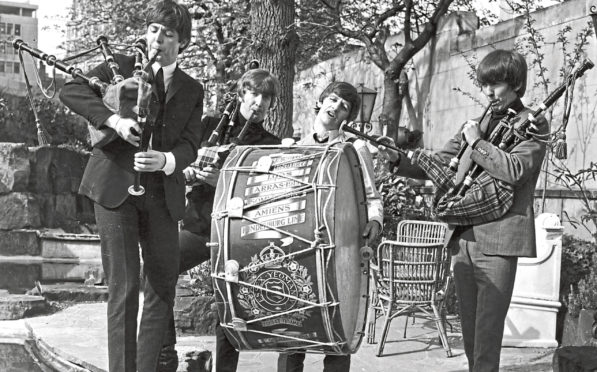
<point>275,44</point>
<point>392,107</point>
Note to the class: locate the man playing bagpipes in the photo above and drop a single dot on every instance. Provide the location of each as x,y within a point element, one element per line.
<point>159,151</point>
<point>257,91</point>
<point>486,246</point>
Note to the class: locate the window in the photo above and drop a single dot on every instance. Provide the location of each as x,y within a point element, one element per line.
<point>9,29</point>
<point>27,13</point>
<point>1,66</point>
<point>16,67</point>
<point>17,30</point>
<point>2,28</point>
<point>2,47</point>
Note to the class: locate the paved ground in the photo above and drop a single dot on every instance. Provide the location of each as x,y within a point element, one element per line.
<point>78,334</point>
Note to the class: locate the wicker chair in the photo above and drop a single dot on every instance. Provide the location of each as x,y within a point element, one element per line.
<point>411,277</point>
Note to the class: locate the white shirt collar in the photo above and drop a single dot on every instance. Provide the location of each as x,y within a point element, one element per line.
<point>168,72</point>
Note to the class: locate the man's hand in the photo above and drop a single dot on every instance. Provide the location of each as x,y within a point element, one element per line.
<point>128,129</point>
<point>387,153</point>
<point>149,161</point>
<point>471,131</point>
<point>189,174</point>
<point>208,175</point>
<point>371,231</point>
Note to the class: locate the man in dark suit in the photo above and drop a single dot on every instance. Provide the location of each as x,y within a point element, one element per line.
<point>257,91</point>
<point>151,220</point>
<point>485,255</point>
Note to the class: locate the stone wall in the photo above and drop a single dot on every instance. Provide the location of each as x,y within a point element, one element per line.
<point>38,189</point>
<point>441,67</point>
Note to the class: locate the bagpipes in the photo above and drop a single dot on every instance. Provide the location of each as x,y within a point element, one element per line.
<point>121,95</point>
<point>214,153</point>
<point>128,98</point>
<point>479,198</point>
<point>219,144</point>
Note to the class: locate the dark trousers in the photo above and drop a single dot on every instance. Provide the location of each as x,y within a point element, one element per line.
<point>484,287</point>
<point>294,362</point>
<point>143,220</point>
<point>193,251</point>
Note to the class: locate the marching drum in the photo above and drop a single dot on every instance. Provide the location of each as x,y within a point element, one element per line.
<point>288,258</point>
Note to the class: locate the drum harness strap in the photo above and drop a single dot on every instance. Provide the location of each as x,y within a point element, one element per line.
<point>304,188</point>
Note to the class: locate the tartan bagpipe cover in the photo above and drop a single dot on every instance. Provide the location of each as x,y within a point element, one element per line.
<point>486,200</point>
<point>213,156</point>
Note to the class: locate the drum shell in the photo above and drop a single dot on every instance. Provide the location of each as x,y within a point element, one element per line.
<point>333,273</point>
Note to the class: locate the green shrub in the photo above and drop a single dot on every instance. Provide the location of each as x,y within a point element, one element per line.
<point>17,122</point>
<point>578,278</point>
<point>403,199</point>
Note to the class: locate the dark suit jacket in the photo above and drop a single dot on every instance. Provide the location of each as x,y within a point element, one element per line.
<point>514,233</point>
<point>197,217</point>
<point>109,171</point>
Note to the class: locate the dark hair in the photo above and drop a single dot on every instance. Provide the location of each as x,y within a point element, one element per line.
<point>504,66</point>
<point>171,15</point>
<point>345,91</point>
<point>259,81</point>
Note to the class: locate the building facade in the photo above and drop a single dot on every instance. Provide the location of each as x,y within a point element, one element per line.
<point>17,21</point>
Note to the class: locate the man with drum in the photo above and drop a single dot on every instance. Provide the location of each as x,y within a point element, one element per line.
<point>257,91</point>
<point>126,220</point>
<point>338,103</point>
<point>485,255</point>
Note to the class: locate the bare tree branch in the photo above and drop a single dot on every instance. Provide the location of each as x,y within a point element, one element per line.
<point>407,15</point>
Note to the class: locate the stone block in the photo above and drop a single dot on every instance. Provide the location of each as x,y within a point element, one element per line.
<point>19,277</point>
<point>14,167</point>
<point>66,206</point>
<point>85,212</point>
<point>18,211</point>
<point>58,210</point>
<point>56,170</point>
<point>193,315</point>
<point>20,306</point>
<point>19,243</point>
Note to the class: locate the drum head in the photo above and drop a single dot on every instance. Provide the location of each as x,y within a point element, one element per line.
<point>286,234</point>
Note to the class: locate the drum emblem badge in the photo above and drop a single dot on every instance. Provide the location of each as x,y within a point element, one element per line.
<point>279,287</point>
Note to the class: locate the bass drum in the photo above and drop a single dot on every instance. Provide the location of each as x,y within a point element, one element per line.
<point>286,244</point>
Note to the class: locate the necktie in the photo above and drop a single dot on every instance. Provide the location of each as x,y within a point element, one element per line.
<point>159,84</point>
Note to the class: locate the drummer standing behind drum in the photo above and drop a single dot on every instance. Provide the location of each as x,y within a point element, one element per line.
<point>340,102</point>
<point>257,92</point>
<point>125,221</point>
<point>486,255</point>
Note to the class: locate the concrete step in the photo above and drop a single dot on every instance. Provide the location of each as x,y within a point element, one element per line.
<point>49,244</point>
<point>72,292</point>
<point>27,256</point>
<point>74,246</point>
<point>19,273</point>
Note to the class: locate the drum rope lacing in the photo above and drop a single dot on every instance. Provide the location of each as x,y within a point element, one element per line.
<point>314,245</point>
